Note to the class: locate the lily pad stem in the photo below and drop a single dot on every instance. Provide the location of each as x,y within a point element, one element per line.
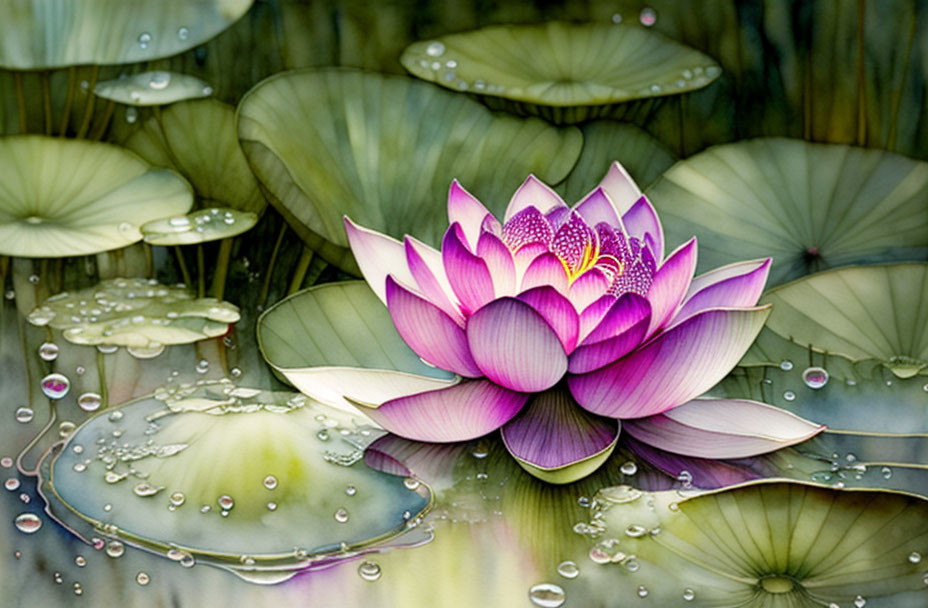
<point>68,101</point>
<point>52,419</point>
<point>201,272</point>
<point>100,127</point>
<point>266,285</point>
<point>88,106</point>
<point>222,268</point>
<point>861,76</point>
<point>188,282</point>
<point>101,377</point>
<point>46,101</point>
<point>300,273</point>
<point>20,100</point>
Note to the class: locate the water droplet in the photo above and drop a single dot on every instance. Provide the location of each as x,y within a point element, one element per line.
<point>159,80</point>
<point>412,483</point>
<point>815,377</point>
<point>115,416</point>
<point>107,349</point>
<point>860,602</point>
<point>187,561</point>
<point>80,561</point>
<point>351,490</point>
<point>150,351</point>
<point>178,498</point>
<point>24,498</point>
<point>144,39</point>
<point>28,523</point>
<point>789,395</point>
<point>202,366</point>
<point>182,33</point>
<point>369,571</point>
<point>145,489</point>
<point>225,502</point>
<point>617,18</point>
<point>341,515</point>
<point>6,462</point>
<point>323,435</point>
<point>142,578</point>
<point>11,484</point>
<point>48,351</point>
<point>547,595</point>
<point>65,429</point>
<point>635,530</point>
<point>915,557</point>
<point>272,506</point>
<point>115,548</point>
<point>24,414</point>
<point>34,278</point>
<point>78,590</point>
<point>689,595</point>
<point>629,468</point>
<point>632,565</point>
<point>786,365</point>
<point>886,472</point>
<point>55,386</point>
<point>435,49</point>
<point>90,402</point>
<point>648,18</point>
<point>642,591</point>
<point>685,477</point>
<point>713,71</point>
<point>79,467</point>
<point>207,90</point>
<point>568,569</point>
<point>270,482</point>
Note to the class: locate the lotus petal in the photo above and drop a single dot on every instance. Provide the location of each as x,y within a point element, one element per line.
<point>557,311</point>
<point>378,256</point>
<point>668,288</point>
<point>596,207</point>
<point>627,311</point>
<point>620,188</point>
<point>641,221</point>
<point>675,367</point>
<point>557,441</point>
<point>464,411</point>
<point>587,288</point>
<point>533,193</point>
<point>466,210</point>
<point>428,270</point>
<point>589,357</point>
<point>546,269</point>
<point>467,273</point>
<point>733,286</point>
<point>499,262</point>
<point>703,473</point>
<point>514,346</point>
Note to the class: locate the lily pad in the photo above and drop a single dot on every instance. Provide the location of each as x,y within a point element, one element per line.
<point>249,480</point>
<point>808,206</point>
<point>869,312</point>
<point>153,88</point>
<point>138,313</point>
<point>37,34</point>
<point>383,150</point>
<point>566,72</point>
<point>64,197</point>
<point>198,227</point>
<point>337,342</point>
<point>198,140</point>
<point>766,544</point>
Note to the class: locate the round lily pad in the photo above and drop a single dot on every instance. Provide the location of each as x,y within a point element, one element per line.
<point>65,197</point>
<point>198,140</point>
<point>808,206</point>
<point>208,472</point>
<point>198,227</point>
<point>567,72</point>
<point>153,88</point>
<point>337,342</point>
<point>138,313</point>
<point>39,34</point>
<point>383,150</point>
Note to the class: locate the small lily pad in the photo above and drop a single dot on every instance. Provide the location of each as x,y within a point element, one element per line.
<point>383,150</point>
<point>138,313</point>
<point>198,227</point>
<point>154,88</point>
<point>38,34</point>
<point>198,140</point>
<point>808,206</point>
<point>65,197</point>
<point>337,342</point>
<point>235,477</point>
<point>554,67</point>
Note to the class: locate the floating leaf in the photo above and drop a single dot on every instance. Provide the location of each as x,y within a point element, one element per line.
<point>383,150</point>
<point>38,34</point>
<point>809,206</point>
<point>138,313</point>
<point>198,140</point>
<point>64,198</point>
<point>152,88</point>
<point>337,341</point>
<point>559,70</point>
<point>198,227</point>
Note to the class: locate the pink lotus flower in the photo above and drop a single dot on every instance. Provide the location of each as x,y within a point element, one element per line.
<point>560,322</point>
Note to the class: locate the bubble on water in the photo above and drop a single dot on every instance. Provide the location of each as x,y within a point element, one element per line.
<point>28,523</point>
<point>435,49</point>
<point>24,414</point>
<point>115,548</point>
<point>48,351</point>
<point>815,377</point>
<point>648,16</point>
<point>270,482</point>
<point>369,571</point>
<point>90,402</point>
<point>341,515</point>
<point>547,595</point>
<point>55,386</point>
<point>629,468</point>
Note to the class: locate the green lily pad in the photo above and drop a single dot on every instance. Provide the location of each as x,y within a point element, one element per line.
<point>604,141</point>
<point>198,227</point>
<point>252,481</point>
<point>153,88</point>
<point>198,140</point>
<point>336,342</point>
<point>37,34</point>
<point>809,206</point>
<point>64,197</point>
<point>137,313</point>
<point>764,544</point>
<point>383,150</point>
<point>566,72</point>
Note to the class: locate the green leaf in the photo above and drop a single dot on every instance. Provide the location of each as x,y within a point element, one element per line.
<point>152,88</point>
<point>383,150</point>
<point>37,34</point>
<point>809,206</point>
<point>559,66</point>
<point>198,227</point>
<point>65,197</point>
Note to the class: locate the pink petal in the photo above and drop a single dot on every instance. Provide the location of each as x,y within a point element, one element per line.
<point>525,256</point>
<point>457,413</point>
<point>622,329</point>
<point>533,193</point>
<point>499,262</point>
<point>378,255</point>
<point>733,286</point>
<point>620,187</point>
<point>427,269</point>
<point>514,346</point>
<point>430,462</point>
<point>703,473</point>
<point>596,207</point>
<point>594,313</point>
<point>626,311</point>
<point>468,274</point>
<point>675,367</point>
<point>722,428</point>
<point>527,227</point>
<point>466,210</point>
<point>670,284</point>
<point>431,333</point>
<point>553,432</point>
<point>545,269</point>
<point>586,288</point>
<point>557,311</point>
<point>641,221</point>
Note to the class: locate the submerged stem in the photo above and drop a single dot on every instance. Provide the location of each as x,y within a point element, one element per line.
<point>99,128</point>
<point>222,268</point>
<point>188,281</point>
<point>20,100</point>
<point>68,100</point>
<point>201,272</point>
<point>266,285</point>
<point>300,273</point>
<point>46,101</point>
<point>101,378</point>
<point>88,107</point>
